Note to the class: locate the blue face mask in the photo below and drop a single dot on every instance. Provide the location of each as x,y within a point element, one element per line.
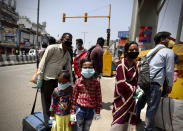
<point>63,86</point>
<point>87,72</point>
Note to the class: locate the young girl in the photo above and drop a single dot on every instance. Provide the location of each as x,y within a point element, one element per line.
<point>60,103</point>
<point>87,99</point>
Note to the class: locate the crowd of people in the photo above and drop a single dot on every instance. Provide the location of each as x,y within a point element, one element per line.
<point>73,99</point>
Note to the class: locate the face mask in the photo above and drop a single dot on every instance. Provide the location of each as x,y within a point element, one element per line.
<point>87,73</point>
<point>133,55</point>
<point>63,86</point>
<point>68,43</point>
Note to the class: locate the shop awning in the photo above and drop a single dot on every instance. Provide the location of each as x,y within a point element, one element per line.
<point>9,45</point>
<point>26,47</point>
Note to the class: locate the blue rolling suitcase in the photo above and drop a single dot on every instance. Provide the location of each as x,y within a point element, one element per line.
<point>37,121</point>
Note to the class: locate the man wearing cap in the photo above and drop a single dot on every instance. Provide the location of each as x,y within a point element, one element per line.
<point>54,60</point>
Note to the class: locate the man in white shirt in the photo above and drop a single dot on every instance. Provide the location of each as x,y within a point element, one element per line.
<point>54,60</point>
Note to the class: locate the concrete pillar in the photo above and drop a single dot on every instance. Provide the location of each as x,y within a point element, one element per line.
<point>179,29</point>
<point>133,28</point>
<point>145,15</point>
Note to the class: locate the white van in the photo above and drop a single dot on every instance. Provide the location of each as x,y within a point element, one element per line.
<point>32,52</point>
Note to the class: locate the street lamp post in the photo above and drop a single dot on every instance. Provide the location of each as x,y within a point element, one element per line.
<point>84,36</point>
<point>42,94</point>
<point>37,33</point>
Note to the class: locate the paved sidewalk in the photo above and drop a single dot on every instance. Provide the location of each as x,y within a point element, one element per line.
<point>103,124</point>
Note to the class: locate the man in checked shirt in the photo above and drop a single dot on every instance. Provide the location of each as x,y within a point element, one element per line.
<point>87,99</point>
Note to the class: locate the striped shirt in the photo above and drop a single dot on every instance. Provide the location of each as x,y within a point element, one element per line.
<point>125,86</point>
<point>87,94</point>
<point>126,80</point>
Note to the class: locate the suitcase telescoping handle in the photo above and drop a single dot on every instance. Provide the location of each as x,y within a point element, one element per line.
<point>33,107</point>
<point>44,113</point>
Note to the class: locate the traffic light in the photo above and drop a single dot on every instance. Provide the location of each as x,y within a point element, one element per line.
<point>63,19</point>
<point>85,17</point>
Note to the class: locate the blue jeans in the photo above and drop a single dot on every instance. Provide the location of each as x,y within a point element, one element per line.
<point>84,117</point>
<point>153,99</point>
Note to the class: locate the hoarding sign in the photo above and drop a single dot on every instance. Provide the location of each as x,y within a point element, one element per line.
<point>122,41</point>
<point>123,34</point>
<point>145,34</point>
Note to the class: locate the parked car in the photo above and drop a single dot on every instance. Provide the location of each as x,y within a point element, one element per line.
<point>32,52</point>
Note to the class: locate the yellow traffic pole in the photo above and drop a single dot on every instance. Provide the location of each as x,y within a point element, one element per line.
<point>107,57</point>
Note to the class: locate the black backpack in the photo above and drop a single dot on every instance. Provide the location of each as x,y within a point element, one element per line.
<point>144,80</point>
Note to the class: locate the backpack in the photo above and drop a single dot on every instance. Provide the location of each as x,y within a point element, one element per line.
<point>77,61</point>
<point>144,80</point>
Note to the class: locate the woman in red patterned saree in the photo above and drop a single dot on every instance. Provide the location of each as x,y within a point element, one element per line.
<point>124,112</point>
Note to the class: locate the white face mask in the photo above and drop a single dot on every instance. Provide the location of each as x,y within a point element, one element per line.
<point>63,86</point>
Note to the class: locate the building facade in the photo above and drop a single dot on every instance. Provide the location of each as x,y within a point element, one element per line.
<point>17,33</point>
<point>28,34</point>
<point>8,26</point>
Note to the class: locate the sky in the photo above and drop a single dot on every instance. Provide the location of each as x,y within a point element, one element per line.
<point>51,11</point>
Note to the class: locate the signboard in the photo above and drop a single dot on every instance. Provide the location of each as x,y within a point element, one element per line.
<point>123,34</point>
<point>27,43</point>
<point>18,36</point>
<point>145,34</point>
<point>122,41</point>
<point>10,34</point>
<point>140,45</point>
